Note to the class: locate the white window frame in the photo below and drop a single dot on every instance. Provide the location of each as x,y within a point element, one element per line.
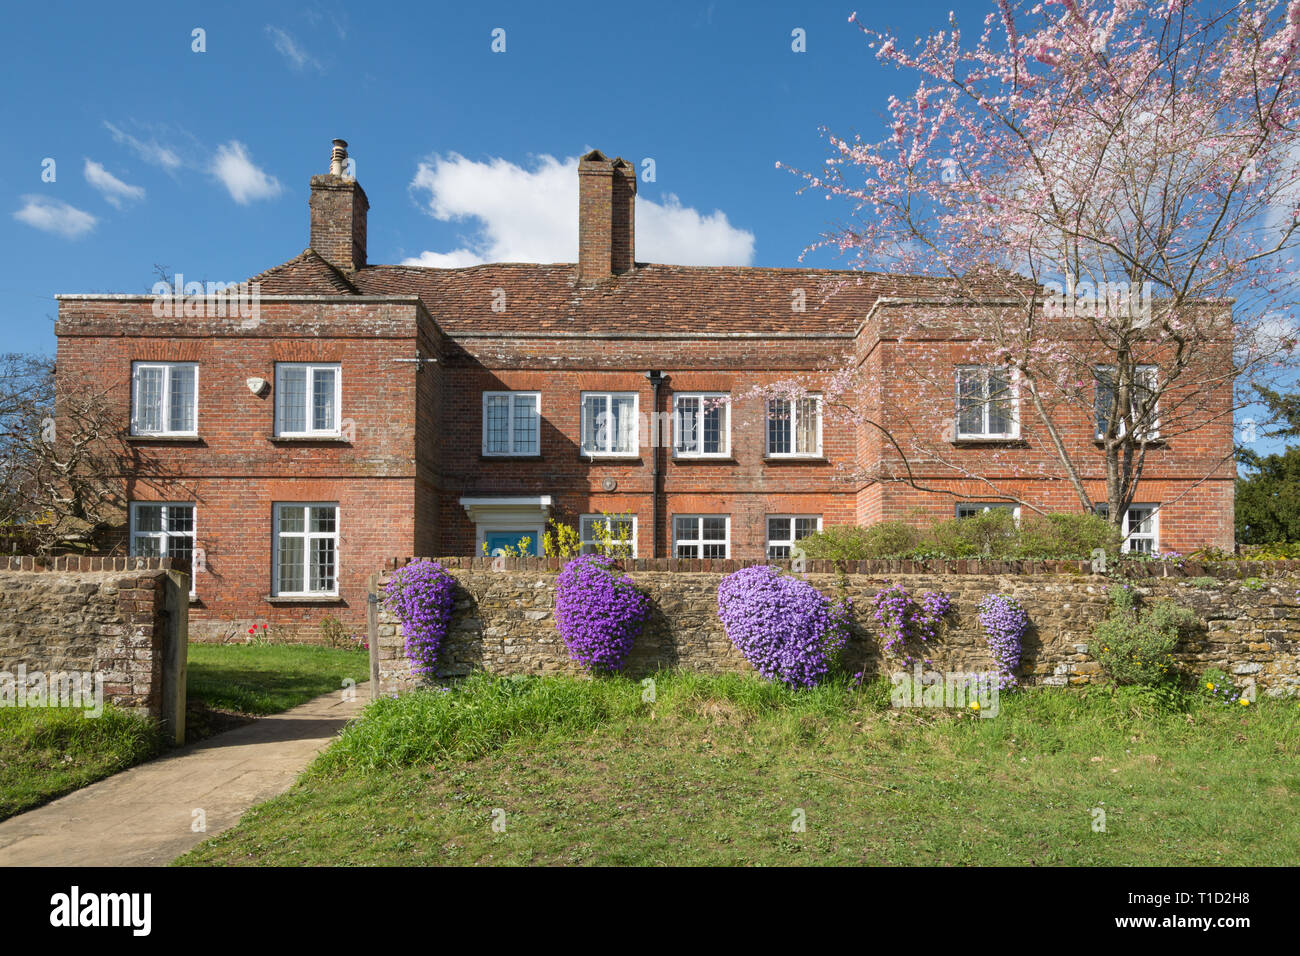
<point>790,520</point>
<point>609,397</point>
<point>1013,385</point>
<point>309,392</point>
<point>698,542</point>
<point>512,451</point>
<point>985,506</point>
<point>167,367</point>
<point>308,536</point>
<point>593,543</point>
<point>794,428</point>
<point>133,534</point>
<point>703,398</point>
<point>1150,371</point>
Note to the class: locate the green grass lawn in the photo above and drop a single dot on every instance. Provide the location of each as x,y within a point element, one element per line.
<point>264,679</point>
<point>46,752</point>
<point>718,770</point>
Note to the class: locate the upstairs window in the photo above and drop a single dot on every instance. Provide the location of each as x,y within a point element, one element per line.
<point>307,399</point>
<point>609,425</point>
<point>164,398</point>
<point>702,425</point>
<point>305,558</point>
<point>1142,410</point>
<point>512,423</point>
<point>987,402</point>
<point>794,427</point>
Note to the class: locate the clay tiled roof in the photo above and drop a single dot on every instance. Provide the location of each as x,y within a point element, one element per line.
<point>651,298</point>
<point>305,274</point>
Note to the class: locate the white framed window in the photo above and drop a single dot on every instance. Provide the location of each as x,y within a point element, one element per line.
<point>307,399</point>
<point>1141,528</point>
<point>794,427</point>
<point>164,398</point>
<point>512,423</point>
<point>621,527</point>
<point>701,425</point>
<point>163,530</point>
<point>968,509</point>
<point>702,536</point>
<point>784,530</point>
<point>987,402</point>
<point>305,549</point>
<point>609,423</point>
<point>1141,397</point>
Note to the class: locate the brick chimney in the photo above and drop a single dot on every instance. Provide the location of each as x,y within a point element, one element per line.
<point>606,217</point>
<point>338,214</point>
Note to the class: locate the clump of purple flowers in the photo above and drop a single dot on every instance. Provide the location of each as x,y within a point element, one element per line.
<point>598,612</point>
<point>422,596</point>
<point>901,620</point>
<point>1005,622</point>
<point>783,625</point>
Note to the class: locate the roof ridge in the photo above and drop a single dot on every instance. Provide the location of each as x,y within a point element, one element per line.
<point>311,255</point>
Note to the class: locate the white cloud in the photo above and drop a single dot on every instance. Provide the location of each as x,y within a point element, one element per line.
<point>288,47</point>
<point>524,215</point>
<point>243,180</point>
<point>110,187</point>
<point>151,152</point>
<point>53,215</point>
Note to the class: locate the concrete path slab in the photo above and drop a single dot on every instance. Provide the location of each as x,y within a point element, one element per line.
<point>144,816</point>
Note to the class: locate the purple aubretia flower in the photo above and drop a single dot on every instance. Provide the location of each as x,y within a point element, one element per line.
<point>598,612</point>
<point>421,595</point>
<point>783,625</point>
<point>1005,622</point>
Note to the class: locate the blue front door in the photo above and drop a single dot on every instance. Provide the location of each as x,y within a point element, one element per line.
<point>496,541</point>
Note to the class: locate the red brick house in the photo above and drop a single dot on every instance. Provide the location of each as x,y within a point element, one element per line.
<point>370,411</point>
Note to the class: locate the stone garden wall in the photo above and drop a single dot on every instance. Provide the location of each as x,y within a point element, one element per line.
<point>121,620</point>
<point>504,619</point>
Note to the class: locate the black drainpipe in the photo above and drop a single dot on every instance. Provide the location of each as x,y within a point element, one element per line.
<point>656,379</point>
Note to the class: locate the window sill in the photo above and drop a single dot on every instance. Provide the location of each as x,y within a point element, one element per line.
<point>537,457</point>
<point>302,599</point>
<point>976,441</point>
<point>1150,443</point>
<point>704,460</point>
<point>308,439</point>
<point>613,459</point>
<point>164,439</point>
<point>794,459</point>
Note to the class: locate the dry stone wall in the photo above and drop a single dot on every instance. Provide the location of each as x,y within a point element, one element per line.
<point>504,619</point>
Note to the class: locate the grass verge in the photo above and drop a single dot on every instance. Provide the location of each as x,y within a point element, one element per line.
<point>260,679</point>
<point>46,752</point>
<point>721,770</point>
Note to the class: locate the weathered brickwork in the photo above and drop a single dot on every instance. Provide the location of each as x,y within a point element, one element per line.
<point>504,620</point>
<point>122,619</point>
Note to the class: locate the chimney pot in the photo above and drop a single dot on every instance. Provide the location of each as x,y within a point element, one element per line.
<point>339,157</point>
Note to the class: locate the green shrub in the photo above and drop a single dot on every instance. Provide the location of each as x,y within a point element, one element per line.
<point>1066,535</point>
<point>1136,645</point>
<point>846,542</point>
<point>989,534</point>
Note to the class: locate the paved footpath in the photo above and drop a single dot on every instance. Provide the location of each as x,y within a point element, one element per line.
<point>144,816</point>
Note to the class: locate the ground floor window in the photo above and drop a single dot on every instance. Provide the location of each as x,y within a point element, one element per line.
<point>163,531</point>
<point>784,530</point>
<point>306,545</point>
<point>968,509</point>
<point>618,530</point>
<point>1141,528</point>
<point>701,536</point>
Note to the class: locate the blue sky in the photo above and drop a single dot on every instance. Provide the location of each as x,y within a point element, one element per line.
<point>142,130</point>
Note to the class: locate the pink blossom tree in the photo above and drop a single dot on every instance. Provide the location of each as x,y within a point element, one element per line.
<point>1105,195</point>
